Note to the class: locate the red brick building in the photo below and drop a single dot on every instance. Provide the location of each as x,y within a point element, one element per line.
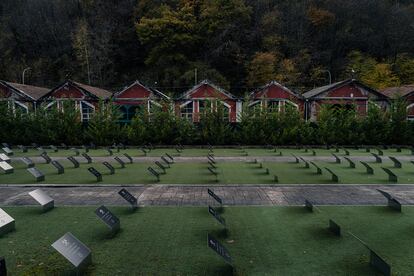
<point>406,92</point>
<point>21,96</point>
<point>137,98</point>
<point>85,97</point>
<point>276,97</point>
<point>344,94</point>
<point>204,96</point>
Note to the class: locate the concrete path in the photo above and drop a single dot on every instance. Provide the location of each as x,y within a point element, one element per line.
<point>196,195</point>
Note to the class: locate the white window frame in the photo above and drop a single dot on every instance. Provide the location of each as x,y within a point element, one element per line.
<point>20,104</point>
<point>188,116</point>
<point>89,115</point>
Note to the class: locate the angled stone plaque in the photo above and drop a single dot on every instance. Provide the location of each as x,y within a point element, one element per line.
<point>370,170</point>
<point>109,151</point>
<point>73,161</point>
<point>170,157</point>
<point>38,175</point>
<point>217,216</point>
<point>6,167</point>
<point>46,157</point>
<point>219,248</point>
<point>334,177</point>
<point>110,167</point>
<point>6,145</point>
<point>211,159</point>
<point>392,177</point>
<point>58,166</point>
<point>397,163</point>
<point>377,158</point>
<point>64,146</point>
<point>28,162</point>
<point>7,223</point>
<point>379,264</point>
<point>212,171</point>
<point>216,197</point>
<point>85,148</point>
<point>167,162</point>
<point>129,197</point>
<point>41,150</point>
<point>87,157</point>
<point>75,151</point>
<point>43,199</point>
<point>334,227</point>
<point>3,268</point>
<point>52,147</point>
<point>108,218</point>
<point>22,148</point>
<point>7,151</point>
<point>161,166</point>
<point>318,169</point>
<point>73,250</point>
<point>120,161</point>
<point>392,202</point>
<point>4,158</point>
<point>308,205</point>
<point>351,163</point>
<point>212,165</point>
<point>95,172</point>
<point>154,173</point>
<point>127,156</point>
<point>337,159</point>
<point>144,151</point>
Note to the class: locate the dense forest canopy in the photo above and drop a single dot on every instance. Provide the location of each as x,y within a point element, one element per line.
<point>239,44</point>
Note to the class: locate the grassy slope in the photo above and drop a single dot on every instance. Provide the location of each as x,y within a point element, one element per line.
<point>197,173</point>
<point>165,241</point>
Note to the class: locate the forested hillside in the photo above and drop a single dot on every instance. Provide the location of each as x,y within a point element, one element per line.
<point>239,44</point>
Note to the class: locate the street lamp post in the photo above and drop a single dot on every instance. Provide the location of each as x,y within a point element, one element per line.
<point>24,72</point>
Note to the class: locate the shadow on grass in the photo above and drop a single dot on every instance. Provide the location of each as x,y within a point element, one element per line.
<point>104,233</point>
<point>225,269</point>
<point>297,210</point>
<point>129,211</point>
<point>222,233</point>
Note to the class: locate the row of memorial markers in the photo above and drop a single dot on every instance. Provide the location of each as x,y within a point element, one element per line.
<point>80,255</point>
<point>168,160</point>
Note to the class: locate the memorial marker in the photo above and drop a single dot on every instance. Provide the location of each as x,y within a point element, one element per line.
<point>216,197</point>
<point>23,148</point>
<point>43,199</point>
<point>7,223</point>
<point>217,216</point>
<point>108,218</point>
<point>76,151</point>
<point>120,161</point>
<point>73,250</point>
<point>212,164</point>
<point>219,248</point>
<point>4,158</point>
<point>334,178</point>
<point>397,163</point>
<point>8,151</point>
<point>170,157</point>
<point>306,162</point>
<point>337,159</point>
<point>212,171</point>
<point>110,167</point>
<point>392,202</point>
<point>392,177</point>
<point>96,173</point>
<point>370,170</point>
<point>334,227</point>
<point>58,166</point>
<point>46,157</point>
<point>64,146</point>
<point>346,152</point>
<point>367,150</point>
<point>52,147</point>
<point>6,167</point>
<point>351,163</point>
<point>308,205</point>
<point>166,161</point>
<point>3,268</point>
<point>6,145</point>
<point>28,162</point>
<point>109,151</point>
<point>154,173</point>
<point>87,157</point>
<point>41,150</point>
<point>127,156</point>
<point>296,158</point>
<point>74,161</point>
<point>38,175</point>
<point>212,160</point>
<point>318,169</point>
<point>377,158</point>
<point>143,151</point>
<point>85,148</point>
<point>129,197</point>
<point>380,152</point>
<point>161,166</point>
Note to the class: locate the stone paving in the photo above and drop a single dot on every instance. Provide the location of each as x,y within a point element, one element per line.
<point>196,195</point>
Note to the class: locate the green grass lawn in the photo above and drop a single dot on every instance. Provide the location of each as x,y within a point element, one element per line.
<point>188,152</point>
<point>228,173</point>
<point>172,241</point>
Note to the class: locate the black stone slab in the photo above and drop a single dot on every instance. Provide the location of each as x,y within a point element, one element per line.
<point>108,218</point>
<point>217,216</point>
<point>127,156</point>
<point>23,148</point>
<point>351,163</point>
<point>337,159</point>
<point>318,169</point>
<point>379,264</point>
<point>75,151</point>
<point>46,157</point>
<point>370,170</point>
<point>397,163</point>
<point>334,228</point>
<point>334,177</point>
<point>110,167</point>
<point>87,157</point>
<point>219,248</point>
<point>38,175</point>
<point>308,205</point>
<point>120,161</point>
<point>161,166</point>
<point>73,161</point>
<point>167,162</point>
<point>58,166</point>
<point>154,173</point>
<point>110,152</point>
<point>96,173</point>
<point>55,149</point>
<point>392,177</point>
<point>3,268</point>
<point>212,171</point>
<point>129,197</point>
<point>215,196</point>
<point>170,157</point>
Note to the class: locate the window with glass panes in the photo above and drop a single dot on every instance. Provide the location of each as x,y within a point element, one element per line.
<point>273,106</point>
<point>87,111</point>
<point>187,111</point>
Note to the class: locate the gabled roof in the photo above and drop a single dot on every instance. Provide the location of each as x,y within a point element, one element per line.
<point>319,90</point>
<point>402,91</point>
<point>92,91</point>
<point>30,91</point>
<point>207,82</point>
<point>273,82</point>
<point>152,90</point>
